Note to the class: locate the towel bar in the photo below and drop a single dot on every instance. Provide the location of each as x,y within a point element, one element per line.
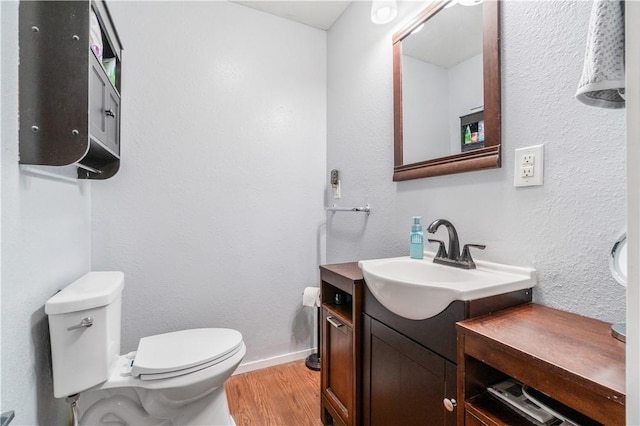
<point>366,209</point>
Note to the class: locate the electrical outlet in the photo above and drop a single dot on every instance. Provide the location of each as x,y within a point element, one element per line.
<point>528,167</point>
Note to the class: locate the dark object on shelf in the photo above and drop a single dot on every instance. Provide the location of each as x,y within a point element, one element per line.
<point>472,131</point>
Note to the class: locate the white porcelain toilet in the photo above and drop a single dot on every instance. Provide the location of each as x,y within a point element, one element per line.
<point>172,379</point>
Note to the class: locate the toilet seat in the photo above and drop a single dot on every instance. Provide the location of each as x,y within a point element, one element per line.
<point>182,352</point>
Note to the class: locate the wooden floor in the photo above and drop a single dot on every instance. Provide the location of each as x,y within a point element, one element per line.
<point>287,394</point>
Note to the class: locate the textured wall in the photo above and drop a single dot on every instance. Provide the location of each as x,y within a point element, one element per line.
<point>216,213</point>
<point>564,229</point>
<point>45,246</point>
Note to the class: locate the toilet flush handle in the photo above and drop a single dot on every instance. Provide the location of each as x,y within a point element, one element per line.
<point>86,323</point>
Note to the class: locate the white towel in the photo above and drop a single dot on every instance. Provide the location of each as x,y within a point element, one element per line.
<point>602,81</point>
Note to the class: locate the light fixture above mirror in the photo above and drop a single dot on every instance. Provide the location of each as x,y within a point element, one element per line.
<point>447,100</point>
<point>383,11</point>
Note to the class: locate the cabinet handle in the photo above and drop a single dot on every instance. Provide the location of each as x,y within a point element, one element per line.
<point>334,323</point>
<point>449,404</point>
<point>110,113</point>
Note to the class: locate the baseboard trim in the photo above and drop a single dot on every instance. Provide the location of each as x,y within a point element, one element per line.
<point>276,360</point>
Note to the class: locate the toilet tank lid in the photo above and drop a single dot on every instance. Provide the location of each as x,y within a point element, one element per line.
<point>92,290</point>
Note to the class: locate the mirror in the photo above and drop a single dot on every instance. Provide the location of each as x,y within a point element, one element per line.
<point>447,100</point>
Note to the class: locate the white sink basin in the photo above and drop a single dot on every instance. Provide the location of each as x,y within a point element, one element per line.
<point>420,289</point>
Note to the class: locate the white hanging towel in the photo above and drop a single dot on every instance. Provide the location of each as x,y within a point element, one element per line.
<point>602,81</point>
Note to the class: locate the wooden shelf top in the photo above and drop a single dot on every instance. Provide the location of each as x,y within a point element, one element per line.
<point>348,270</point>
<point>568,344</point>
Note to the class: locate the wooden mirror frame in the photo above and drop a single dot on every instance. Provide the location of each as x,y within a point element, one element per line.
<point>488,157</point>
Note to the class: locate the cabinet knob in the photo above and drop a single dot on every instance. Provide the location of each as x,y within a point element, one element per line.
<point>449,404</point>
<point>110,113</point>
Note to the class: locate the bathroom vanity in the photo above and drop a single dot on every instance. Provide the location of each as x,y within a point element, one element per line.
<point>380,368</point>
<point>572,359</point>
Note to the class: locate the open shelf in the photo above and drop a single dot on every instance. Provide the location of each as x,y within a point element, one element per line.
<point>574,361</point>
<point>343,311</point>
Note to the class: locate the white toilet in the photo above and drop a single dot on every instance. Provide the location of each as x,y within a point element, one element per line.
<point>172,379</point>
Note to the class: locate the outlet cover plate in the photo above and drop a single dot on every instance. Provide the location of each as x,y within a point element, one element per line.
<point>528,167</point>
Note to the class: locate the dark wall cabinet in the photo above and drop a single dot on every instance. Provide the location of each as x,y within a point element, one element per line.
<point>69,92</point>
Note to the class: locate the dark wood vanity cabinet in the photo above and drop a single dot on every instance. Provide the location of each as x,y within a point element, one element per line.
<point>572,359</point>
<point>341,296</point>
<point>409,371</point>
<point>406,382</point>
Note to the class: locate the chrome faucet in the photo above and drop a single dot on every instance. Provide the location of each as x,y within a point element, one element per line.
<point>452,256</point>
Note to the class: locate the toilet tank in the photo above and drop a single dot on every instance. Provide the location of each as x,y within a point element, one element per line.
<point>82,356</point>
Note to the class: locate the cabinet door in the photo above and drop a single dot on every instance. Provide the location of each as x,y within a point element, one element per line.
<point>112,117</point>
<point>104,108</point>
<point>337,383</point>
<point>97,100</point>
<point>404,382</point>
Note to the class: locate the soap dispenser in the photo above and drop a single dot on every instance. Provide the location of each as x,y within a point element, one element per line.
<point>416,240</point>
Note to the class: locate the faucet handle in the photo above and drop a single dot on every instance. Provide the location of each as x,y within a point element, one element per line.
<point>466,254</point>
<point>442,251</point>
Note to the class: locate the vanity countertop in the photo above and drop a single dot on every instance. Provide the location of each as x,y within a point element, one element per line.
<point>580,352</point>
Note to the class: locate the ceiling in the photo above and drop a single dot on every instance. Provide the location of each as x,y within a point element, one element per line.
<point>318,14</point>
<point>450,37</point>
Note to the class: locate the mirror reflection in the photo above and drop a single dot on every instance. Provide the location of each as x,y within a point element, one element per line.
<point>442,85</point>
<point>446,90</point>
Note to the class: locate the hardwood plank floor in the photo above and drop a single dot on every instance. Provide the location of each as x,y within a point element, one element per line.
<point>283,395</point>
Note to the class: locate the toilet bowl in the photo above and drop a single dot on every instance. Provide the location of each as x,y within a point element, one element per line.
<point>172,378</point>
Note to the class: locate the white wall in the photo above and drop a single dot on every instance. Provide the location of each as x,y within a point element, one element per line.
<point>433,100</point>
<point>45,246</point>
<point>565,228</point>
<point>467,94</point>
<point>216,214</point>
<point>425,107</point>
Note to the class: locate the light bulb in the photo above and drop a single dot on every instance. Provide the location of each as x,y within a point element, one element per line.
<point>383,11</point>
